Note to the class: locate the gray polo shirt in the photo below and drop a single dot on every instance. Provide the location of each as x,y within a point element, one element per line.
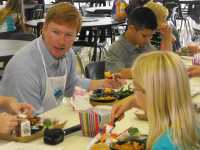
<point>24,76</point>
<point>121,54</point>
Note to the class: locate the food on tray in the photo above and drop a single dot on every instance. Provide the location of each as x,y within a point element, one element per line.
<point>108,94</point>
<point>123,92</point>
<point>104,95</point>
<point>133,131</point>
<point>130,139</point>
<point>108,91</point>
<point>27,125</point>
<point>33,119</point>
<point>108,75</point>
<point>128,146</point>
<point>100,146</point>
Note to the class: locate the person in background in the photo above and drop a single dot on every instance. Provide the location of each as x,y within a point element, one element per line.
<point>43,71</point>
<point>9,119</point>
<point>133,42</point>
<point>11,18</point>
<point>194,49</point>
<point>119,10</point>
<point>161,12</point>
<point>162,91</point>
<point>158,40</point>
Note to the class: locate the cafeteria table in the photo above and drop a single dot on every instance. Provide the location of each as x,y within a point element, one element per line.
<point>77,141</point>
<point>10,47</point>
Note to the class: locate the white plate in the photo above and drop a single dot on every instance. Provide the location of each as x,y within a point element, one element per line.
<point>93,141</point>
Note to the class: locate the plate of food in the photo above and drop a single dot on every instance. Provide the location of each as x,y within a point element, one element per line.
<point>103,95</point>
<point>31,127</point>
<point>130,139</point>
<point>108,95</point>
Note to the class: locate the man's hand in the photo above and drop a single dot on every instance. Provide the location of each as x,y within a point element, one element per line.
<point>14,107</point>
<point>126,73</point>
<point>8,123</point>
<point>115,82</point>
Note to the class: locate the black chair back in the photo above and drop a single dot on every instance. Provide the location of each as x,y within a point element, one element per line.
<point>39,28</point>
<point>4,60</point>
<point>25,36</point>
<point>95,70</point>
<point>95,3</point>
<point>70,1</point>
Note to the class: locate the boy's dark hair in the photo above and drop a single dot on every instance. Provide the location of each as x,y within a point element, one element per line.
<point>142,17</point>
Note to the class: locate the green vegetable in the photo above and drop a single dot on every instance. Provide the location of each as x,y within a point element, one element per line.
<point>133,131</point>
<point>47,123</point>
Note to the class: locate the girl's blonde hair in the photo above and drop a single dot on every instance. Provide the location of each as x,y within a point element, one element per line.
<point>12,6</point>
<point>159,10</point>
<point>163,77</point>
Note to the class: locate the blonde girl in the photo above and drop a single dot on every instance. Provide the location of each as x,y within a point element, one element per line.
<point>162,89</point>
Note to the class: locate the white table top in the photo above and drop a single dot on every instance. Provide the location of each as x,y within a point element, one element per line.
<point>10,47</point>
<point>93,9</point>
<point>76,141</point>
<point>87,21</point>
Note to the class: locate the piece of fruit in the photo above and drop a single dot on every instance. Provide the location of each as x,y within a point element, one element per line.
<point>108,75</point>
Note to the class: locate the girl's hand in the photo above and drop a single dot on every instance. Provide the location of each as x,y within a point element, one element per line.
<point>120,108</point>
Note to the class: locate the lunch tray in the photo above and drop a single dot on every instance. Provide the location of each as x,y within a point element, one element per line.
<point>31,137</point>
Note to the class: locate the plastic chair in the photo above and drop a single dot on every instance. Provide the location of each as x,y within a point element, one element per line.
<point>95,70</point>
